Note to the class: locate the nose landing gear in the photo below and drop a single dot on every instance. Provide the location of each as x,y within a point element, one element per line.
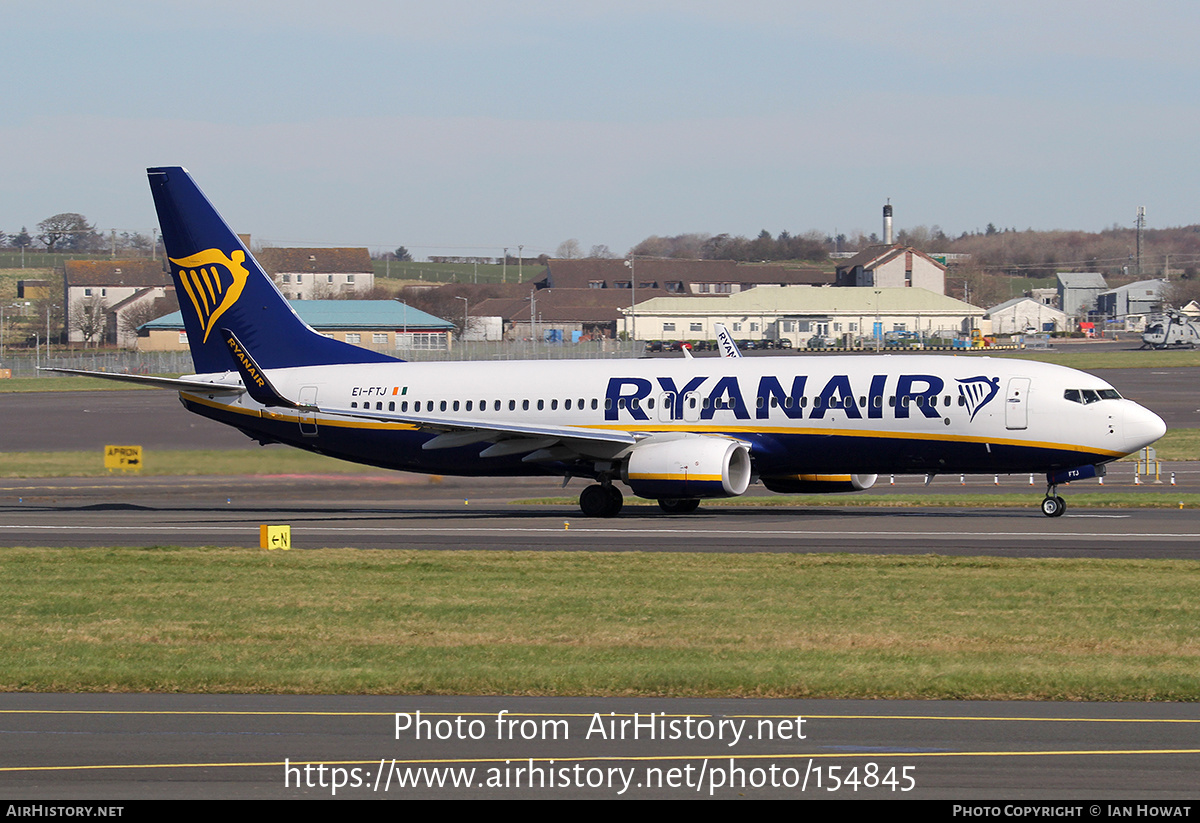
<point>1053,505</point>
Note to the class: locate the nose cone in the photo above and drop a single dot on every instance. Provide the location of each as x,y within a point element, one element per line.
<point>1142,427</point>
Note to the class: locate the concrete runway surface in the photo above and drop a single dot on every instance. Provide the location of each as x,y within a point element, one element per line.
<point>407,511</point>
<point>126,747</point>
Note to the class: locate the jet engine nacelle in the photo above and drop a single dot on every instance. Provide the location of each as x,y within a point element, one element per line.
<point>820,483</point>
<point>688,467</point>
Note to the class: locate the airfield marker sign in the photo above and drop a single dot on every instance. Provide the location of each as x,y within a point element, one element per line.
<point>126,458</point>
<point>274,537</point>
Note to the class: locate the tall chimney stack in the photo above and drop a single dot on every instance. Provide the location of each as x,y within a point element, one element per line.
<point>887,223</point>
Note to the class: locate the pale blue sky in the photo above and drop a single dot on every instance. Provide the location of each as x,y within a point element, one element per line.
<point>469,125</point>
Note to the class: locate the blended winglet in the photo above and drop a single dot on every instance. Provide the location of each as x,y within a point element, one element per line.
<point>725,341</point>
<point>256,381</point>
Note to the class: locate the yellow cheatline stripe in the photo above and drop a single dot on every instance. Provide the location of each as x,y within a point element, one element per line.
<point>870,433</point>
<point>284,418</point>
<point>876,755</point>
<point>512,714</point>
<point>715,430</point>
<point>969,717</point>
<point>237,713</point>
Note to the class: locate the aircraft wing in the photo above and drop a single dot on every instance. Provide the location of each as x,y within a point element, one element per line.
<point>539,441</point>
<point>177,383</point>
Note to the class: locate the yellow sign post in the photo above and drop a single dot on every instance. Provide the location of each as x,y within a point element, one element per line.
<point>126,458</point>
<point>274,537</point>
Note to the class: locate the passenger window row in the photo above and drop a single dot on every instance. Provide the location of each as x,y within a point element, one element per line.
<point>469,405</point>
<point>634,403</point>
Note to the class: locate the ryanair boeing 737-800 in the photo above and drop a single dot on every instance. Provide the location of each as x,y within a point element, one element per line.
<point>672,430</point>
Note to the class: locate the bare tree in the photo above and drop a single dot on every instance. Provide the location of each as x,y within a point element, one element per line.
<point>133,242</point>
<point>323,290</point>
<point>89,316</point>
<point>143,312</point>
<point>569,250</point>
<point>1179,293</point>
<point>601,252</point>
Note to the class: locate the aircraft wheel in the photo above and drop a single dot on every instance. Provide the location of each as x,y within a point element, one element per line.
<point>594,502</point>
<point>615,501</point>
<point>678,505</point>
<point>1053,506</point>
<point>601,501</point>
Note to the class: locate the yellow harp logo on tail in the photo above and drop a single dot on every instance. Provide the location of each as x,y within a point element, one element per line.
<point>213,282</point>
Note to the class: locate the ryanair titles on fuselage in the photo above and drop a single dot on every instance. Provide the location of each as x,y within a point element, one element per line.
<point>908,392</point>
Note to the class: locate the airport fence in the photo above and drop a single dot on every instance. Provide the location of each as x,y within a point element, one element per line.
<point>26,364</point>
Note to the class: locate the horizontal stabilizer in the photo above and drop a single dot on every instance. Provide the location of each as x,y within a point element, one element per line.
<point>150,381</point>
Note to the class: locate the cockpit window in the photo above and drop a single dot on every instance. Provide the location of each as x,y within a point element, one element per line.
<point>1086,396</point>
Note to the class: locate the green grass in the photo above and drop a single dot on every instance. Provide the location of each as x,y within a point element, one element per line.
<point>33,259</point>
<point>158,462</point>
<point>9,278</point>
<point>1086,360</point>
<point>571,623</point>
<point>45,384</point>
<point>1178,445</point>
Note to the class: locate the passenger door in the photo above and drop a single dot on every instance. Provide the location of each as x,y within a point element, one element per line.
<point>1016,403</point>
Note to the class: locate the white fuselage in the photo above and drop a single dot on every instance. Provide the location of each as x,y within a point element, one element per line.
<point>880,414</point>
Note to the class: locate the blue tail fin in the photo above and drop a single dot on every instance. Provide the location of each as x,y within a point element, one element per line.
<point>221,286</point>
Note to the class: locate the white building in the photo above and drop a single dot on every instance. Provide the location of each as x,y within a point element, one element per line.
<point>1025,315</point>
<point>800,313</point>
<point>97,293</point>
<point>893,267</point>
<point>318,274</point>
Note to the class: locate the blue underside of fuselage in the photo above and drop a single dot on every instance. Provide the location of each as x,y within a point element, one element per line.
<point>774,454</point>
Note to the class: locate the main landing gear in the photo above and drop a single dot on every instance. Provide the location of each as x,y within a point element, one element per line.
<point>606,500</point>
<point>601,501</point>
<point>1052,504</point>
<point>678,505</point>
